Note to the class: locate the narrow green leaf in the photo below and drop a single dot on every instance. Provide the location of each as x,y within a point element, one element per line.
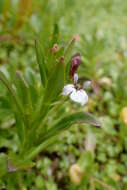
<point>41,63</point>
<point>68,50</point>
<point>3,164</point>
<point>55,83</point>
<point>53,88</point>
<point>31,79</point>
<point>67,121</point>
<point>50,136</point>
<point>20,128</point>
<point>5,81</point>
<point>23,92</point>
<point>16,163</point>
<point>52,91</point>
<point>21,119</point>
<point>35,151</point>
<point>68,65</point>
<point>55,35</point>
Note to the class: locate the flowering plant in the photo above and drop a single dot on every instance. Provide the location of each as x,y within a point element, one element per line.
<point>38,108</point>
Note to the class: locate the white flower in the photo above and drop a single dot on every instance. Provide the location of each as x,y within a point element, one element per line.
<point>77,95</point>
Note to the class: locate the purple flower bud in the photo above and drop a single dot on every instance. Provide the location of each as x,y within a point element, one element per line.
<point>75,62</point>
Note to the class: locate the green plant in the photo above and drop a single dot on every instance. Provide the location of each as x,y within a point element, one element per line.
<point>32,104</point>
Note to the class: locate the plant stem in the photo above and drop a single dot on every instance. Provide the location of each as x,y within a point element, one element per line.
<point>92,185</point>
<point>102,183</point>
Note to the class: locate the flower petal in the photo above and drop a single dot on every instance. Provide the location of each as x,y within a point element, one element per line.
<point>69,88</point>
<point>75,78</point>
<point>79,96</point>
<point>87,84</point>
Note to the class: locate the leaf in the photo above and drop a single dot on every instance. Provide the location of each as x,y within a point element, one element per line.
<point>3,164</point>
<point>54,87</point>
<point>5,81</point>
<point>67,121</point>
<point>17,107</point>
<point>52,91</point>
<point>23,92</point>
<point>16,163</point>
<point>68,50</point>
<point>55,36</point>
<point>50,136</point>
<point>21,129</point>
<point>55,83</point>
<point>35,151</point>
<point>41,63</point>
<point>61,125</point>
<point>67,72</point>
<point>31,78</point>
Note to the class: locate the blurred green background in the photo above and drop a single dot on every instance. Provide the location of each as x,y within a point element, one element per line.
<point>102,26</point>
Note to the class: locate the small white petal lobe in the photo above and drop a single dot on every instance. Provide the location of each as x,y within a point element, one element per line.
<point>75,78</point>
<point>79,96</point>
<point>68,89</point>
<point>87,84</point>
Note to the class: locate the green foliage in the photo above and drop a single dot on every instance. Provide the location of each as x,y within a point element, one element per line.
<point>34,116</point>
<point>41,63</point>
<point>30,123</point>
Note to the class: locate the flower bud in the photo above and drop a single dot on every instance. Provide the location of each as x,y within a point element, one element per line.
<point>61,59</point>
<point>124,115</point>
<point>76,61</point>
<point>76,37</point>
<point>75,174</point>
<point>55,48</point>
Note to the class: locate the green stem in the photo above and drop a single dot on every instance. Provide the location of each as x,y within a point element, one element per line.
<point>102,183</point>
